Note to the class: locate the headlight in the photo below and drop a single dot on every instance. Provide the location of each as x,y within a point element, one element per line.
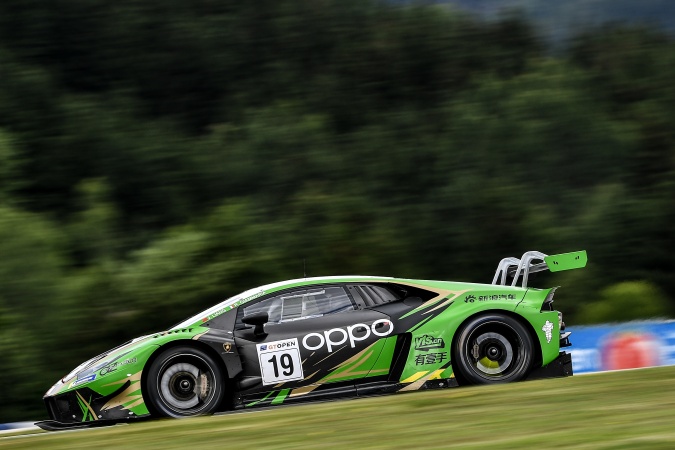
<point>83,366</point>
<point>76,370</point>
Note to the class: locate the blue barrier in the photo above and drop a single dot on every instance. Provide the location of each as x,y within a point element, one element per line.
<point>622,346</point>
<point>17,426</point>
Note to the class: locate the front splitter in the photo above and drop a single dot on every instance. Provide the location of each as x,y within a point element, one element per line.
<point>55,425</point>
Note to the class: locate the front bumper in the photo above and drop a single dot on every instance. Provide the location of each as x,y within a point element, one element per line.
<point>86,406</point>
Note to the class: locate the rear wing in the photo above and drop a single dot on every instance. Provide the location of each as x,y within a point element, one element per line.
<point>514,267</point>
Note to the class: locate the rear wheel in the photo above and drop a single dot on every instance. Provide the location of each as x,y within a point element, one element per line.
<point>493,348</point>
<point>184,382</point>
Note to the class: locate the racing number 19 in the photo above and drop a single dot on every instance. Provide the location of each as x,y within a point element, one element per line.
<point>285,361</point>
<point>280,361</point>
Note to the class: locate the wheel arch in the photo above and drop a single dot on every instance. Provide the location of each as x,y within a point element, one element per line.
<point>537,357</point>
<point>197,345</point>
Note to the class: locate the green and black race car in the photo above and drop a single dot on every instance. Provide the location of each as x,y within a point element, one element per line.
<point>327,337</point>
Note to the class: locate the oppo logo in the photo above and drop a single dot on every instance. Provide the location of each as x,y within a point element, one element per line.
<point>338,336</point>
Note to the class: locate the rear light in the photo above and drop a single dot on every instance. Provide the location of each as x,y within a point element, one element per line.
<point>548,301</point>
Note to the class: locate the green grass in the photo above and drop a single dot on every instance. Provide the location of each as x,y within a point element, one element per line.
<point>619,410</point>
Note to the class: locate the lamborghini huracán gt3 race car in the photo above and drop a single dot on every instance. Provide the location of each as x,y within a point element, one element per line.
<point>327,337</point>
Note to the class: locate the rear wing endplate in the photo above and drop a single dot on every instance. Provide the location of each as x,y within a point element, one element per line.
<point>527,264</point>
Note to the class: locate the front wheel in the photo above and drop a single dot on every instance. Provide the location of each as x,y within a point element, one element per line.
<point>184,382</point>
<point>494,348</point>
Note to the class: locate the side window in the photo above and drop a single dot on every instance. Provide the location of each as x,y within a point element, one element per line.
<point>373,295</point>
<point>272,306</point>
<point>303,304</point>
<point>330,300</point>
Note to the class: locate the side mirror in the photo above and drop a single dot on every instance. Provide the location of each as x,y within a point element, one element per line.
<point>257,320</point>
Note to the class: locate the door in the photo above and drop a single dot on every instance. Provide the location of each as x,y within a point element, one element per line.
<point>315,337</point>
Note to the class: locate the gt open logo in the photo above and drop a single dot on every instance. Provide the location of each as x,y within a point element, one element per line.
<point>278,345</point>
<point>328,336</point>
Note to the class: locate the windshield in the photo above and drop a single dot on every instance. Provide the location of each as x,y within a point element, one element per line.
<point>222,307</point>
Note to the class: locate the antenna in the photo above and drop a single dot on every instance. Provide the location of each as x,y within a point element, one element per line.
<point>304,268</point>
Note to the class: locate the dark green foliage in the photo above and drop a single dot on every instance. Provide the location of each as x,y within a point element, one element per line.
<point>156,158</point>
<point>625,301</point>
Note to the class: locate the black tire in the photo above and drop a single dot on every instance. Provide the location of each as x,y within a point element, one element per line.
<point>493,348</point>
<point>184,382</point>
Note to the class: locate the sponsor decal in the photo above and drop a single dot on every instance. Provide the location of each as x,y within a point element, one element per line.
<point>548,330</point>
<point>431,358</point>
<point>426,342</point>
<point>280,361</point>
<point>114,365</point>
<point>339,336</point>
<point>251,297</point>
<point>279,345</point>
<point>86,379</point>
<point>216,314</point>
<point>486,298</point>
